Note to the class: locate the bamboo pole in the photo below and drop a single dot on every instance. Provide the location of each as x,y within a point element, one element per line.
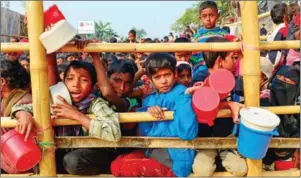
<point>166,142</point>
<point>40,89</point>
<point>158,47</point>
<point>7,122</point>
<point>251,66</point>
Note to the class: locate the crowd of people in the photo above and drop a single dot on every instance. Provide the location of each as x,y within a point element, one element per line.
<point>107,83</point>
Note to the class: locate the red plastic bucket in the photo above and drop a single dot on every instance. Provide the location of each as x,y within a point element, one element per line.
<point>222,81</point>
<point>283,165</point>
<point>205,102</point>
<point>20,154</point>
<point>52,15</point>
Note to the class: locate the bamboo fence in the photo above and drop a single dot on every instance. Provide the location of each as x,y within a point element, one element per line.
<point>251,72</point>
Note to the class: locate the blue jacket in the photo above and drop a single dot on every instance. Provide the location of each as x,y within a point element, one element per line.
<point>184,125</point>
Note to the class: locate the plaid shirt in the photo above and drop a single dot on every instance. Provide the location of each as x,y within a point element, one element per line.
<point>106,125</point>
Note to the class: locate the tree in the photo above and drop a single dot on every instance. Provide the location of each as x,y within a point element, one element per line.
<point>140,33</point>
<point>103,31</point>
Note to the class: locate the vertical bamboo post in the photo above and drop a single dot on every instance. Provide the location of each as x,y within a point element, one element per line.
<point>251,66</point>
<point>39,83</point>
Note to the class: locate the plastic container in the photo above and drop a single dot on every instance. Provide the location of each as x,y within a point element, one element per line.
<point>52,15</point>
<point>222,81</point>
<point>257,127</point>
<point>19,154</point>
<point>205,102</point>
<point>281,165</point>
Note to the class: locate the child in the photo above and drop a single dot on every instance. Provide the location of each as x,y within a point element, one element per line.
<point>132,36</point>
<point>204,163</point>
<point>293,56</point>
<point>24,61</point>
<point>14,82</point>
<point>183,56</point>
<point>60,58</point>
<point>79,78</point>
<point>209,16</point>
<point>161,69</point>
<point>184,70</point>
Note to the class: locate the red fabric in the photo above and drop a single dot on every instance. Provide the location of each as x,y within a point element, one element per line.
<point>136,164</point>
<point>297,20</point>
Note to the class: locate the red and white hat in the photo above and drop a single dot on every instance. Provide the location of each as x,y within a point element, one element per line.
<point>60,33</point>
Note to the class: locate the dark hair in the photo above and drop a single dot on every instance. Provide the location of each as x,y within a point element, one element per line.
<point>14,73</point>
<point>182,67</point>
<point>24,58</point>
<point>182,40</point>
<point>211,56</point>
<point>148,40</point>
<point>122,66</point>
<point>16,38</point>
<point>293,9</point>
<point>208,4</point>
<point>226,29</point>
<point>113,40</point>
<point>278,12</point>
<point>133,32</point>
<point>159,61</point>
<point>62,67</point>
<point>84,65</point>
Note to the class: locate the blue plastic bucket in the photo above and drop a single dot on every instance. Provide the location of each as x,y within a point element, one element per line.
<point>257,127</point>
<point>252,143</point>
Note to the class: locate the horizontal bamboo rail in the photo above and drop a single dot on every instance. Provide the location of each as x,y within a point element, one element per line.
<point>158,47</point>
<point>166,142</point>
<point>292,172</point>
<point>7,122</point>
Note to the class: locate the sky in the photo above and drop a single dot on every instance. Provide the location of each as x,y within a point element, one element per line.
<point>155,17</point>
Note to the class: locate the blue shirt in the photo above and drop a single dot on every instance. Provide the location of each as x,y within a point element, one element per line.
<point>184,125</point>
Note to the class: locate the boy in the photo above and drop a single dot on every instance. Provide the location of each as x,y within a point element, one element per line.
<point>161,69</point>
<point>208,16</point>
<point>183,56</point>
<point>204,164</point>
<point>132,36</point>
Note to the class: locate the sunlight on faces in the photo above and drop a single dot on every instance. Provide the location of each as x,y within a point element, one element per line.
<point>78,82</point>
<point>121,82</point>
<point>185,78</point>
<point>164,80</point>
<point>209,17</point>
<point>183,56</point>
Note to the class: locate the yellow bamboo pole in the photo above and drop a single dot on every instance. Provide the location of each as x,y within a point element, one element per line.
<point>251,66</point>
<point>158,47</point>
<point>7,122</point>
<point>39,83</point>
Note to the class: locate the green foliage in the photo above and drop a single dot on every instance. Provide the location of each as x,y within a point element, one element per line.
<point>103,31</point>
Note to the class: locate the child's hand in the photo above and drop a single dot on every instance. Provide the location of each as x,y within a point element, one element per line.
<point>81,43</point>
<point>65,110</point>
<point>235,108</point>
<point>25,123</point>
<point>195,87</point>
<point>157,112</point>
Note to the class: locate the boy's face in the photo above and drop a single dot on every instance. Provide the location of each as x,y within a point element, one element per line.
<point>121,82</point>
<point>163,80</point>
<point>183,56</point>
<point>78,82</point>
<point>59,61</point>
<point>209,17</point>
<point>229,61</point>
<point>131,37</point>
<point>185,78</point>
<point>71,58</point>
